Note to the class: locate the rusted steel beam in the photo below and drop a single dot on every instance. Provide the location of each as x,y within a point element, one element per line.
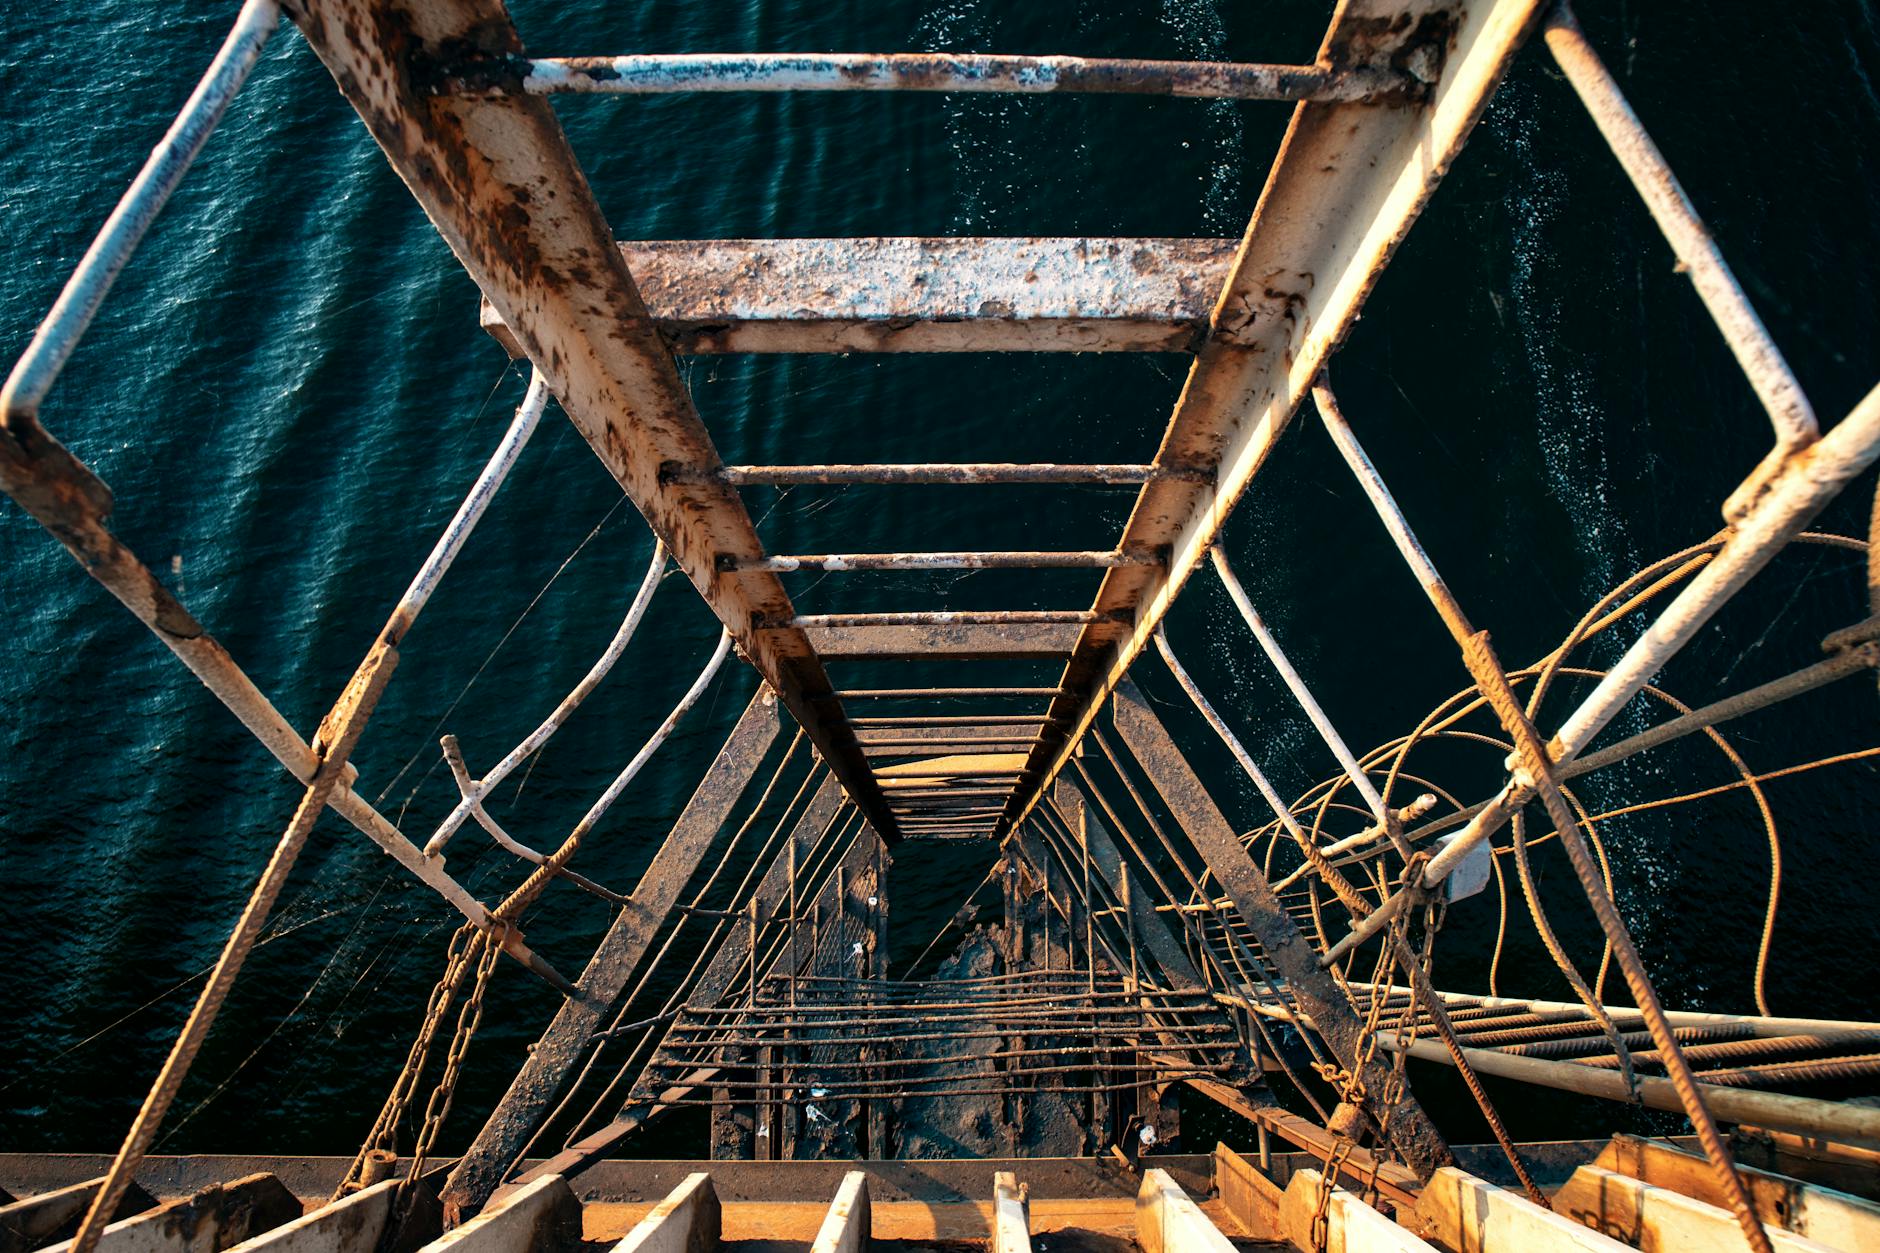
<point>666,73</point>
<point>918,295</point>
<point>961,617</point>
<point>1002,720</point>
<point>1019,740</point>
<point>618,955</point>
<point>1281,943</point>
<point>1349,182</point>
<point>500,184</point>
<point>721,972</point>
<point>837,563</point>
<point>1010,641</point>
<point>937,693</point>
<point>939,473</point>
<point>968,730</point>
<point>1107,860</point>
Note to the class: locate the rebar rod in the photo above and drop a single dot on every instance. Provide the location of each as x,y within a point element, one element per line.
<point>339,735</point>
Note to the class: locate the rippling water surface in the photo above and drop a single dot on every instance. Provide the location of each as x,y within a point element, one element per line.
<point>288,393</point>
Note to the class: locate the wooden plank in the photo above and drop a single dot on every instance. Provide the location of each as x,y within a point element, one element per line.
<point>956,294</point>
<point>615,960</point>
<point>207,1221</point>
<point>543,1217</point>
<point>1249,1197</point>
<point>689,1220</point>
<point>1818,1159</point>
<point>1834,1218</point>
<point>35,1221</point>
<point>1658,1220</point>
<point>957,764</point>
<point>352,1224</point>
<point>846,1228</point>
<point>1168,1220</point>
<point>1279,937</point>
<point>1011,1214</point>
<point>1351,1225</point>
<point>1470,1215</point>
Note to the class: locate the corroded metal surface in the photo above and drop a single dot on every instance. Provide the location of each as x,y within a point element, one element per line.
<point>1281,942</point>
<point>618,955</point>
<point>662,73</point>
<point>917,642</point>
<point>1349,182</point>
<point>922,295</point>
<point>500,184</point>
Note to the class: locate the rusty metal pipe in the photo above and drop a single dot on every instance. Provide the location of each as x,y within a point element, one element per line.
<point>989,720</point>
<point>940,473</point>
<point>963,617</point>
<point>475,796</point>
<point>665,73</point>
<point>64,326</point>
<point>1698,255</point>
<point>842,563</point>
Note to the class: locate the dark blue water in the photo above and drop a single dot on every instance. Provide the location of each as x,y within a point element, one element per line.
<point>288,393</point>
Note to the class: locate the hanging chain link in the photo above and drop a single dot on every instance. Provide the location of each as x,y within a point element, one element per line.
<point>485,950</point>
<point>384,1134</point>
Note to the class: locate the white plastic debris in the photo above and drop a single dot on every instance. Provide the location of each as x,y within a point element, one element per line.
<point>1147,1136</point>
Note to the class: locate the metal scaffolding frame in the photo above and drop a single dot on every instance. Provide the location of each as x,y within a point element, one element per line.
<point>1379,117</point>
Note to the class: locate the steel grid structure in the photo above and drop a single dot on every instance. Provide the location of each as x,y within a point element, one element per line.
<point>446,89</point>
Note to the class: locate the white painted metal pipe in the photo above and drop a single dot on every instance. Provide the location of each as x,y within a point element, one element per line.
<point>471,511</point>
<point>659,737</point>
<point>1698,255</point>
<point>561,713</point>
<point>1805,484</point>
<point>1280,809</point>
<point>65,325</point>
<point>1303,694</point>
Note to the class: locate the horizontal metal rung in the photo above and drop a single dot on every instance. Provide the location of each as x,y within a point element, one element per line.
<point>646,74</point>
<point>951,474</point>
<point>922,693</point>
<point>939,294</point>
<point>837,563</point>
<point>982,720</point>
<point>1034,642</point>
<point>966,617</point>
